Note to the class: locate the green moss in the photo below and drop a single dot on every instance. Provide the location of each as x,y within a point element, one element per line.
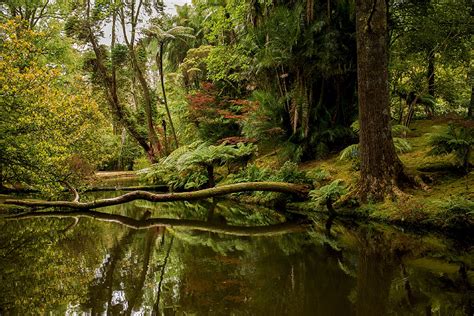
<point>446,185</point>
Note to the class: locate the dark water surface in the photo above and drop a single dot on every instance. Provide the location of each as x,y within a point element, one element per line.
<point>60,266</point>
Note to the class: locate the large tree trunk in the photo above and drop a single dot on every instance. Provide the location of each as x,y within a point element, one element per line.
<point>380,165</point>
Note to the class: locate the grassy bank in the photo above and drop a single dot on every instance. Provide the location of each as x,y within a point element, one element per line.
<point>447,202</point>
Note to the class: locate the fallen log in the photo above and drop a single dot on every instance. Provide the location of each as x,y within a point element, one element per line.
<point>301,191</point>
<point>159,188</point>
<point>270,230</point>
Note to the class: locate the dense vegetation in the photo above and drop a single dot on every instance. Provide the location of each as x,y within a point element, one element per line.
<point>233,91</point>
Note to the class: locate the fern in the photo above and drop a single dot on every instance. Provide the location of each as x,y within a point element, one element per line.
<point>351,152</point>
<point>457,140</point>
<point>400,130</point>
<point>185,168</point>
<point>401,145</point>
<point>397,130</point>
<point>328,194</point>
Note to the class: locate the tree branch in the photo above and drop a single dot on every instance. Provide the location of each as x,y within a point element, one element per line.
<point>282,187</point>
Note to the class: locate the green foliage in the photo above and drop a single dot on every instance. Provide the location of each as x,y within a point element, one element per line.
<point>185,168</point>
<point>457,140</point>
<point>209,155</point>
<point>119,54</point>
<point>328,193</point>
<point>351,152</point>
<point>401,145</point>
<point>289,172</point>
<point>400,130</point>
<point>51,125</point>
<point>457,212</point>
<point>438,32</point>
<point>319,175</point>
<point>166,172</point>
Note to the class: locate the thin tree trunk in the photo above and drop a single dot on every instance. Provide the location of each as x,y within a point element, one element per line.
<point>210,176</point>
<point>380,165</point>
<point>431,73</point>
<point>155,144</point>
<point>470,111</point>
<point>163,90</point>
<point>156,306</point>
<point>431,80</point>
<point>110,87</point>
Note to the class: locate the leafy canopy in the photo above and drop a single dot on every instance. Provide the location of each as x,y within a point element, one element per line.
<point>50,124</point>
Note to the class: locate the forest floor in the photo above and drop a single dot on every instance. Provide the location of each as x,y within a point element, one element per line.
<point>449,200</point>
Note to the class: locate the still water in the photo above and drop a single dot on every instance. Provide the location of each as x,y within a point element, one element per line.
<point>79,265</point>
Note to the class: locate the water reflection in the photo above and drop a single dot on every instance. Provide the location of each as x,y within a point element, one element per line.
<point>130,263</point>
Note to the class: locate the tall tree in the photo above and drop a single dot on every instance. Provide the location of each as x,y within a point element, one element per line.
<point>162,37</point>
<point>86,24</point>
<point>380,166</point>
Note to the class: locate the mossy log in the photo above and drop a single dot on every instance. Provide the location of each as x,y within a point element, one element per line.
<point>301,191</point>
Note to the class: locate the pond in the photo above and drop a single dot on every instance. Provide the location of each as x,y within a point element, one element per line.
<point>98,264</point>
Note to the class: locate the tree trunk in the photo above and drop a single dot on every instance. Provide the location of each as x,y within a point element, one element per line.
<point>282,187</point>
<point>163,90</point>
<point>155,146</point>
<point>110,86</point>
<point>470,111</point>
<point>431,81</point>
<point>431,73</point>
<point>210,176</point>
<point>380,165</point>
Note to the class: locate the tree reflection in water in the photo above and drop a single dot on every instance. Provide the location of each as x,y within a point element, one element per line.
<point>206,266</point>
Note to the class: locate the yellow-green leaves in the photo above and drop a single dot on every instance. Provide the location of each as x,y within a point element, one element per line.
<point>50,124</point>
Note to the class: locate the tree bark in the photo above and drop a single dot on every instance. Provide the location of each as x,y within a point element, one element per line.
<point>290,188</point>
<point>380,165</point>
